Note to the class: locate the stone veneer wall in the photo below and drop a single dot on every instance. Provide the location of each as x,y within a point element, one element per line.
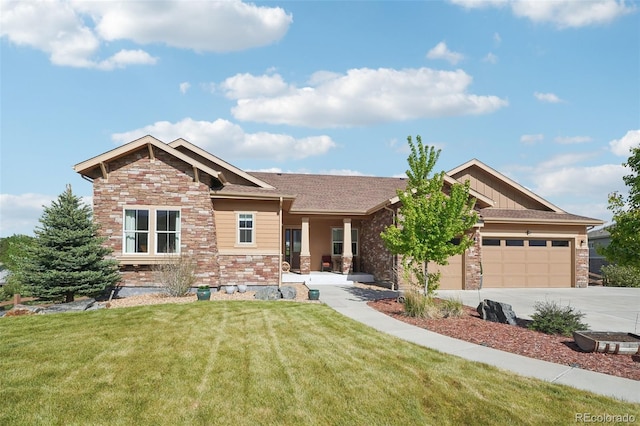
<point>136,179</point>
<point>582,267</point>
<point>374,257</point>
<point>305,264</point>
<point>249,269</point>
<point>472,265</point>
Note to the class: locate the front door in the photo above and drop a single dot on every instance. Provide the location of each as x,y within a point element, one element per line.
<point>292,247</point>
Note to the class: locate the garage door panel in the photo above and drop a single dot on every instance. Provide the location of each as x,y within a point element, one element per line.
<point>537,265</point>
<point>451,275</point>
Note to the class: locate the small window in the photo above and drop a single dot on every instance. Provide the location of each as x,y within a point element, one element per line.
<point>560,243</point>
<point>515,243</point>
<point>136,231</point>
<point>537,243</point>
<point>490,242</point>
<point>167,231</point>
<point>455,241</point>
<point>245,228</point>
<point>337,241</point>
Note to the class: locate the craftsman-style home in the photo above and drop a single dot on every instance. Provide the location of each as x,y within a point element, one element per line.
<point>154,200</point>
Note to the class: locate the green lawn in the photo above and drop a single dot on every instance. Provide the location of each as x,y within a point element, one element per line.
<point>247,363</point>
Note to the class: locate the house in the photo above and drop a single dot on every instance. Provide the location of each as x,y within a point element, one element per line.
<point>598,238</point>
<point>153,200</point>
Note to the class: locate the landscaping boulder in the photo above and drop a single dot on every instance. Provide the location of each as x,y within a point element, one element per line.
<point>77,306</point>
<point>496,312</point>
<point>288,292</point>
<point>268,293</point>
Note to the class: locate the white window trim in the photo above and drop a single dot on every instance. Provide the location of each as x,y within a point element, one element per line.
<point>253,228</point>
<point>152,232</point>
<point>353,241</point>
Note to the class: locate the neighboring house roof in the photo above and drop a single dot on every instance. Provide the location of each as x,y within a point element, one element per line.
<point>598,234</point>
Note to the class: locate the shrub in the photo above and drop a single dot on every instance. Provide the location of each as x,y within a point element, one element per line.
<point>551,318</point>
<point>177,276</point>
<point>451,308</point>
<point>419,305</point>
<point>621,276</point>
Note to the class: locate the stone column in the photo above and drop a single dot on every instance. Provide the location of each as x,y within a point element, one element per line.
<point>472,259</point>
<point>347,253</point>
<point>305,254</point>
<point>582,263</point>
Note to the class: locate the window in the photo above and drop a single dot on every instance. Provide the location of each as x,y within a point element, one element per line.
<point>537,243</point>
<point>245,228</point>
<point>167,231</point>
<point>515,243</point>
<point>490,242</point>
<point>136,231</point>
<point>337,241</point>
<point>560,243</point>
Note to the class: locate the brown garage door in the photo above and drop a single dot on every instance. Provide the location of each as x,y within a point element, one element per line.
<point>526,263</point>
<point>451,275</point>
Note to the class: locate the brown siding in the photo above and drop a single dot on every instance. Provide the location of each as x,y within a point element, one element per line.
<point>136,179</point>
<point>267,225</point>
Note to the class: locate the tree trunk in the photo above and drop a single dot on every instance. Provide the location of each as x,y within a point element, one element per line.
<point>69,298</point>
<point>425,270</point>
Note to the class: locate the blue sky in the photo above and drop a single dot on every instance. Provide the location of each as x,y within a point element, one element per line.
<point>545,92</point>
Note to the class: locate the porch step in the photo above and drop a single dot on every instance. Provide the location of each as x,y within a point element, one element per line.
<point>320,278</point>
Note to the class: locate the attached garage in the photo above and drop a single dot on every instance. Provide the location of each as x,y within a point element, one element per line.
<point>536,263</point>
<point>451,275</point>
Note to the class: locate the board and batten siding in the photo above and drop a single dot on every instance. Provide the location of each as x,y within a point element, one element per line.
<point>266,226</point>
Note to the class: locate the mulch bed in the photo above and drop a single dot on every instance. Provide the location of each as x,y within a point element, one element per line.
<point>518,339</point>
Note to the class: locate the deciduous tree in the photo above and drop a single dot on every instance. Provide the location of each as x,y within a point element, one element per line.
<point>624,248</point>
<point>429,219</point>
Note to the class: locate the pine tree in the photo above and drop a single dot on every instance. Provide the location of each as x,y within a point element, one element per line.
<point>429,220</point>
<point>68,257</point>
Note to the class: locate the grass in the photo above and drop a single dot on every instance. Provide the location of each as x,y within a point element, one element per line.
<point>246,363</point>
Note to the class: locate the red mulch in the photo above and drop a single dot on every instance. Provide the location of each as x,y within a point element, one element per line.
<point>519,340</point>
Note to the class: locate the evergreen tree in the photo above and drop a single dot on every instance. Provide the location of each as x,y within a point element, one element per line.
<point>429,220</point>
<point>68,257</point>
<point>624,248</point>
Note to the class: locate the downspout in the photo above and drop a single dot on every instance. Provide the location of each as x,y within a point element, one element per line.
<point>394,258</point>
<point>280,247</point>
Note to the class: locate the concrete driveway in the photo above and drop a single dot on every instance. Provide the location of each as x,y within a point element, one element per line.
<point>605,308</point>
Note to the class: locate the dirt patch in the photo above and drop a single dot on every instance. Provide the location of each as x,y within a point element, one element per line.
<point>518,340</point>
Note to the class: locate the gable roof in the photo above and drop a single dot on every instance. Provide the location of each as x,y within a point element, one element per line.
<point>491,215</point>
<point>458,171</point>
<point>215,162</point>
<point>98,166</point>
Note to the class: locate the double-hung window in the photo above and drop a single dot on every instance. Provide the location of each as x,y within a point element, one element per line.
<point>136,231</point>
<point>246,228</point>
<point>167,231</point>
<point>151,231</point>
<point>337,241</point>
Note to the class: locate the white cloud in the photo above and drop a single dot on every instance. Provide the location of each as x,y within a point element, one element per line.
<point>127,57</point>
<point>531,139</point>
<point>490,58</point>
<point>563,160</point>
<point>561,13</point>
<point>497,39</point>
<point>184,87</point>
<point>72,33</point>
<point>246,86</point>
<point>228,140</point>
<point>342,172</point>
<point>576,182</point>
<point>20,213</point>
<point>567,140</point>
<point>440,51</point>
<point>547,97</point>
<point>622,146</point>
<point>360,97</point>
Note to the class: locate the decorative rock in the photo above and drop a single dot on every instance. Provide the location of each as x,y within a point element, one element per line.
<point>496,312</point>
<point>77,306</point>
<point>268,293</point>
<point>288,292</point>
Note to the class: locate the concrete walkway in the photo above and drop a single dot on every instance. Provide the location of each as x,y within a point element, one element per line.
<point>351,301</point>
